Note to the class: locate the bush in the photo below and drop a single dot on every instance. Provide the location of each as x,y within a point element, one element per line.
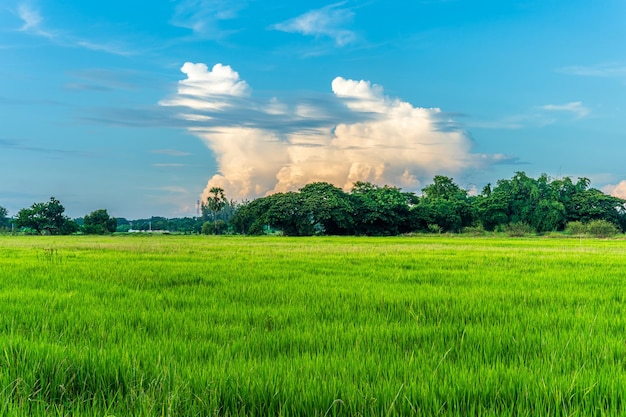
<point>474,230</point>
<point>518,229</point>
<point>576,228</point>
<point>434,228</point>
<point>602,228</point>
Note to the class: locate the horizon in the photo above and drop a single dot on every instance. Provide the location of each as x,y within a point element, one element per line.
<point>106,106</point>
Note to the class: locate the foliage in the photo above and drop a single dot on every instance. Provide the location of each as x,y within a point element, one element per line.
<point>99,222</point>
<point>576,228</point>
<point>46,218</point>
<point>4,218</point>
<point>545,205</point>
<point>381,211</point>
<point>444,204</point>
<point>216,201</point>
<point>441,326</point>
<point>208,228</point>
<point>330,210</point>
<point>602,228</point>
<point>518,229</point>
<point>542,205</point>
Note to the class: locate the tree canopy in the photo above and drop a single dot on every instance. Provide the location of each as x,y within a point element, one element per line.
<point>4,218</point>
<point>519,204</point>
<point>46,218</point>
<point>99,223</point>
<point>541,205</point>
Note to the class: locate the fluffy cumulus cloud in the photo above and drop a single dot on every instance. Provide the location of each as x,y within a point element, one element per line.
<point>284,146</point>
<point>617,190</point>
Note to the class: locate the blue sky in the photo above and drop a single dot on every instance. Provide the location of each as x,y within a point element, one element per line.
<point>139,106</point>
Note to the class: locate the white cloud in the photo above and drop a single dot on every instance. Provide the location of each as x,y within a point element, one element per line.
<point>617,190</point>
<point>328,21</point>
<point>376,138</point>
<point>208,90</point>
<point>202,17</point>
<point>33,25</point>
<point>603,70</point>
<point>538,117</point>
<point>575,107</point>
<point>32,20</point>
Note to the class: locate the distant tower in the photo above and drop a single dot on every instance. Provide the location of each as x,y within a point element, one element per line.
<point>198,207</point>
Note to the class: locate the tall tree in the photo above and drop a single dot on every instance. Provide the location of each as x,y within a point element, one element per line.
<point>99,222</point>
<point>330,209</point>
<point>216,201</point>
<point>4,219</point>
<point>46,218</point>
<point>445,205</point>
<point>381,210</point>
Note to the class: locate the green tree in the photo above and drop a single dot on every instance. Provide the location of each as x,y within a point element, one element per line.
<point>216,201</point>
<point>330,209</point>
<point>445,205</point>
<point>99,222</point>
<point>287,212</point>
<point>250,216</point>
<point>46,218</point>
<point>381,210</point>
<point>4,218</point>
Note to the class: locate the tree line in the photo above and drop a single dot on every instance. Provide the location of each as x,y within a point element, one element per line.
<point>521,203</point>
<point>533,205</point>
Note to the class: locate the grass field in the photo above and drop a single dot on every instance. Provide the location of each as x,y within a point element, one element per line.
<point>202,326</point>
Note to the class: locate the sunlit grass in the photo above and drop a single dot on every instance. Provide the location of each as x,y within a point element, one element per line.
<point>173,325</point>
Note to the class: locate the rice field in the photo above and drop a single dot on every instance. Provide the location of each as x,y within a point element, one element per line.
<point>234,326</point>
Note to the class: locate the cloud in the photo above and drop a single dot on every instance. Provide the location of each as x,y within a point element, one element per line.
<point>575,107</point>
<point>100,79</point>
<point>603,70</point>
<point>19,146</point>
<point>33,24</point>
<point>617,190</point>
<point>208,90</point>
<point>170,152</point>
<point>540,116</point>
<point>329,21</point>
<point>32,20</point>
<point>354,134</point>
<point>202,17</point>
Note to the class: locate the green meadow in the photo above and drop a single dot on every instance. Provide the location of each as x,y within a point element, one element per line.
<point>234,326</point>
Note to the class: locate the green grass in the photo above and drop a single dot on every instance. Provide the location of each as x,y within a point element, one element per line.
<point>201,326</point>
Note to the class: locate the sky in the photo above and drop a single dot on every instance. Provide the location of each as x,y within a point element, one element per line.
<point>140,107</point>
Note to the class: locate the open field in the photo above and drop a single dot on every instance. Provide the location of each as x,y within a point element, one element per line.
<point>200,326</point>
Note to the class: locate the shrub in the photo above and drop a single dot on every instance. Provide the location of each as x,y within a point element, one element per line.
<point>434,228</point>
<point>602,228</point>
<point>576,228</point>
<point>518,229</point>
<point>474,230</point>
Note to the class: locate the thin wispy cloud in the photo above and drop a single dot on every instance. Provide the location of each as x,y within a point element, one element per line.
<point>540,116</point>
<point>22,147</point>
<point>170,152</point>
<point>33,24</point>
<point>575,107</point>
<point>168,165</point>
<point>330,21</point>
<point>604,70</point>
<point>375,138</point>
<point>32,21</point>
<point>103,79</point>
<point>202,17</point>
